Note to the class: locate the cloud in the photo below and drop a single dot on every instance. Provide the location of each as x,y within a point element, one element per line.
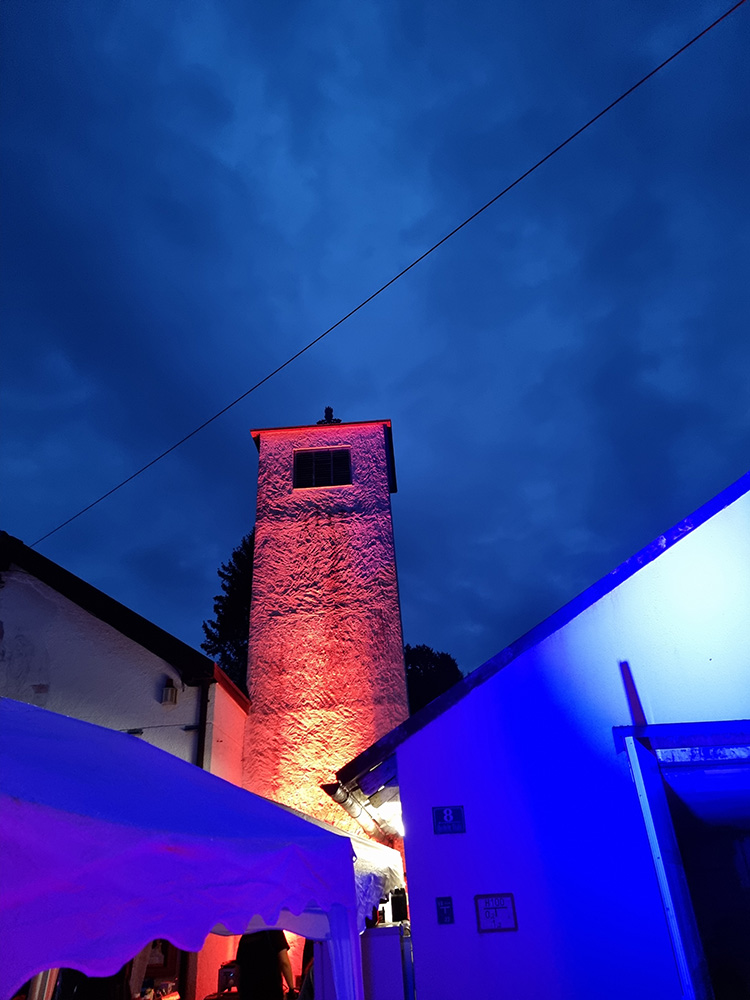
<point>192,193</point>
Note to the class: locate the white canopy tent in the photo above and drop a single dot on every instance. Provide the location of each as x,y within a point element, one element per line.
<point>109,843</point>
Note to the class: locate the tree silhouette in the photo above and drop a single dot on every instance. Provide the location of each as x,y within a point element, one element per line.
<point>428,674</point>
<point>227,633</point>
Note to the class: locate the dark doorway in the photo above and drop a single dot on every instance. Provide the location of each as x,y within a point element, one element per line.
<point>693,781</point>
<point>716,859</point>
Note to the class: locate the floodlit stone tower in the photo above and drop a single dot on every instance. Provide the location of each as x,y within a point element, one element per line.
<point>326,664</point>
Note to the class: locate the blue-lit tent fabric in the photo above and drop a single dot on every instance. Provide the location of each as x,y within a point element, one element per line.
<point>108,843</point>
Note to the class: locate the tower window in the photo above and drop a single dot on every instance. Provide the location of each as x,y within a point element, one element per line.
<point>332,467</point>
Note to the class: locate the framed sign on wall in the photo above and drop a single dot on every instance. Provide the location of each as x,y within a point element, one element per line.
<point>496,912</point>
<point>444,909</point>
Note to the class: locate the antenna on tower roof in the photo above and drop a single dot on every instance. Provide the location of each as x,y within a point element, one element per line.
<point>328,417</point>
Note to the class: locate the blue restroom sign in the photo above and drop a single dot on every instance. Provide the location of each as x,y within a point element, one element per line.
<point>448,819</point>
<point>444,909</point>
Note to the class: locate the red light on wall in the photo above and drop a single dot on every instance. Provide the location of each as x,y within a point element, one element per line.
<point>326,670</point>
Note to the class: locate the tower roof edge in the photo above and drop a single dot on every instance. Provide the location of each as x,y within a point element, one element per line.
<point>326,427</point>
<point>304,427</point>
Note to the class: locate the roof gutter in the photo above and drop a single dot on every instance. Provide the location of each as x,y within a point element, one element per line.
<point>359,807</point>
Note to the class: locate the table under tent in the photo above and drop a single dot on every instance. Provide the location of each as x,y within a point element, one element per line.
<point>95,866</point>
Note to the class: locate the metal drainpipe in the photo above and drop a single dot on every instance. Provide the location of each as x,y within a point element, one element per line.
<point>200,752</point>
<point>368,819</point>
<point>188,962</point>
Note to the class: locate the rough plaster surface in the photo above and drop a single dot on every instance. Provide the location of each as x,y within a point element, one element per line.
<point>326,667</point>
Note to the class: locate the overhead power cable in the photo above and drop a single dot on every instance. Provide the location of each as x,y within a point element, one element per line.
<point>400,274</point>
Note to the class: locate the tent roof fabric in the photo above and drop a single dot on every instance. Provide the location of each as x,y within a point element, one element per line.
<point>109,843</point>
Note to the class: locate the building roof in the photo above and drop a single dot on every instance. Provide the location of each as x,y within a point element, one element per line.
<point>372,768</point>
<point>306,427</point>
<point>193,667</point>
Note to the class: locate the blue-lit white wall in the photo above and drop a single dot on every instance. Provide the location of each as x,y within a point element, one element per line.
<point>551,812</point>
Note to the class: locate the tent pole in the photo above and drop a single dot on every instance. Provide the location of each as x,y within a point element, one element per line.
<point>42,986</point>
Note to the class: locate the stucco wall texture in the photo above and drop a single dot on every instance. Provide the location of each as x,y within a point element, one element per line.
<point>326,666</point>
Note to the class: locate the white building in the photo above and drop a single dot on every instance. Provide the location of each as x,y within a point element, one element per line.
<point>577,810</point>
<point>70,648</point>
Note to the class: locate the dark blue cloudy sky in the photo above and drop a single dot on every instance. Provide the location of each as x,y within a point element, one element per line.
<point>192,191</point>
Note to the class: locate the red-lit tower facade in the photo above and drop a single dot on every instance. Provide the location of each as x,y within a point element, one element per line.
<point>326,665</point>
